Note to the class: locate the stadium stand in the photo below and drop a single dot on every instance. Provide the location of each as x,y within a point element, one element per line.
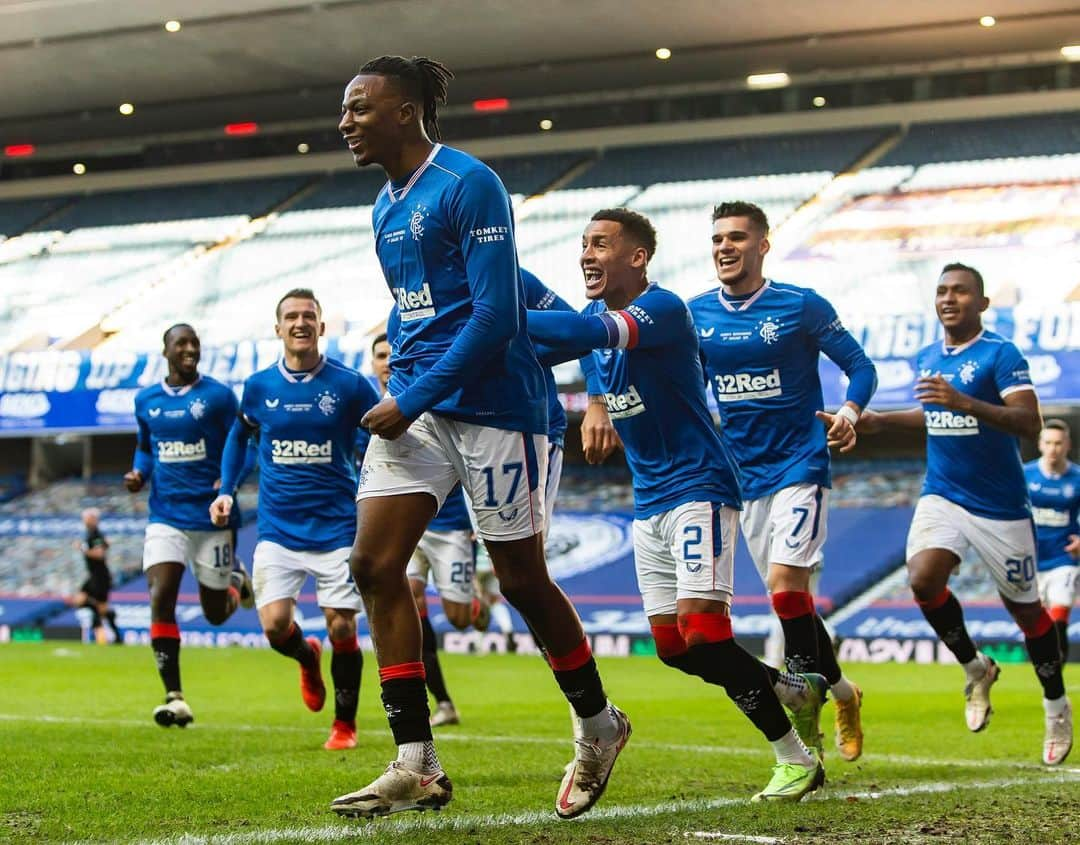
<point>39,527</point>
<point>16,216</point>
<point>208,251</point>
<point>968,140</point>
<point>730,158</point>
<point>183,202</point>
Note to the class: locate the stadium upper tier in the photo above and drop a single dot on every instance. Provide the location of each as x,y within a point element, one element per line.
<point>871,239</point>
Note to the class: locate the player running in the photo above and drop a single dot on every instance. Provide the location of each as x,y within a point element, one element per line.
<point>94,592</point>
<point>183,422</point>
<point>466,405</point>
<point>977,400</point>
<point>447,554</point>
<point>760,345</point>
<point>306,409</point>
<point>686,488</point>
<point>1054,486</point>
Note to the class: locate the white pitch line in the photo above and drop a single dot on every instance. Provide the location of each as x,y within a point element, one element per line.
<point>470,822</point>
<point>499,739</point>
<point>732,837</point>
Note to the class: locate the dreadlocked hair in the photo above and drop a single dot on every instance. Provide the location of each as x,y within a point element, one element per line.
<point>421,79</point>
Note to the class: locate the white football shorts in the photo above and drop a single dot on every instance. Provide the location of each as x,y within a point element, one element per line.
<point>1057,586</point>
<point>502,472</point>
<point>787,527</point>
<point>1005,546</point>
<point>279,573</point>
<point>554,476</point>
<point>448,557</point>
<point>209,553</point>
<point>685,553</point>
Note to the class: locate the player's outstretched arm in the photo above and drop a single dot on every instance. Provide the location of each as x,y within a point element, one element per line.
<point>655,318</point>
<point>842,349</point>
<point>877,422</point>
<point>1019,416</point>
<point>840,433</point>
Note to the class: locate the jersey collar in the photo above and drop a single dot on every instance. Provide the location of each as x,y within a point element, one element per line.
<point>1053,476</point>
<point>182,390</point>
<point>746,303</point>
<point>412,179</point>
<point>304,377</point>
<point>956,350</point>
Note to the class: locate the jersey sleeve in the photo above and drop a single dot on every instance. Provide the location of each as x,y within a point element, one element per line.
<point>482,222</point>
<point>656,318</point>
<point>230,407</point>
<point>823,325</point>
<point>393,325</point>
<point>143,460</point>
<point>234,456</point>
<point>363,400</point>
<point>1012,372</point>
<point>248,406</point>
<point>539,297</point>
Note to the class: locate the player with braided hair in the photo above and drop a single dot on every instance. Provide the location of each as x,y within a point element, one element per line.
<point>422,78</point>
<point>466,403</point>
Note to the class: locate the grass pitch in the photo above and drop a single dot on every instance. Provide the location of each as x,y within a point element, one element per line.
<point>82,760</point>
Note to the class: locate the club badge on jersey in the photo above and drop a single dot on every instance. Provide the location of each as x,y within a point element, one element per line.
<point>181,436</point>
<point>1055,501</point>
<point>307,426</point>
<point>761,355</point>
<point>976,466</point>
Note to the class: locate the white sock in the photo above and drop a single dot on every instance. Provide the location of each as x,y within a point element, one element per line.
<point>976,668</point>
<point>602,725</point>
<point>419,756</point>
<point>791,690</point>
<point>1056,706</point>
<point>790,749</point>
<point>500,615</point>
<point>842,690</point>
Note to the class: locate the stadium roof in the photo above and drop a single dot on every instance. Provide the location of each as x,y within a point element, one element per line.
<point>75,61</point>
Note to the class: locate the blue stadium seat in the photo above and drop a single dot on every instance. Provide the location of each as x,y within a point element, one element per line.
<point>219,199</point>
<point>1055,134</point>
<point>727,158</point>
<point>16,216</point>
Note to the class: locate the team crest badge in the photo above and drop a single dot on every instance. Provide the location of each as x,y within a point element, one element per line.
<point>327,403</point>
<point>197,408</point>
<point>416,221</point>
<point>769,330</point>
<point>967,372</point>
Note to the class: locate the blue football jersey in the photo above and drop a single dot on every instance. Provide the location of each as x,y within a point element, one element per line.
<point>181,436</point>
<point>760,355</point>
<point>445,240</point>
<point>967,461</point>
<point>363,436</point>
<point>307,432</point>
<point>541,298</point>
<point>454,514</point>
<point>1055,509</point>
<point>648,366</point>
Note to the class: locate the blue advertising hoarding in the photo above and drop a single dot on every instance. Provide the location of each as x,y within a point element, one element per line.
<point>79,391</point>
